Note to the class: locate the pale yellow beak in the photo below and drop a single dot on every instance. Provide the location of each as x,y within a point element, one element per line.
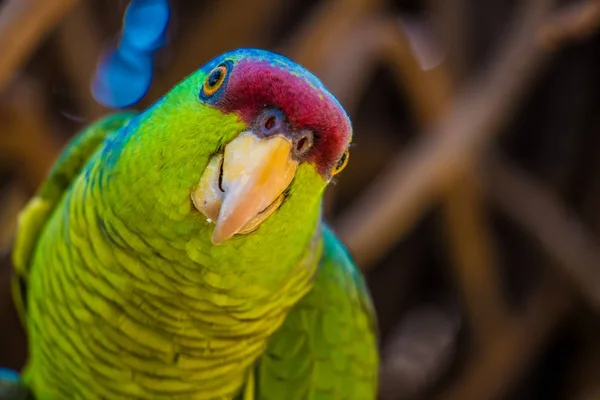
<point>241,188</point>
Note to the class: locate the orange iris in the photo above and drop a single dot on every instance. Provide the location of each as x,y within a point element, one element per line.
<point>215,80</point>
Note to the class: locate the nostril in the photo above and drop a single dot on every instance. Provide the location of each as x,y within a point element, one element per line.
<point>303,143</point>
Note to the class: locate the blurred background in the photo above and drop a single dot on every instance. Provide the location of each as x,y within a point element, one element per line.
<point>472,198</point>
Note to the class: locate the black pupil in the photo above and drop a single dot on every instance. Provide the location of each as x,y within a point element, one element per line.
<point>214,78</point>
<point>270,123</point>
<point>340,163</point>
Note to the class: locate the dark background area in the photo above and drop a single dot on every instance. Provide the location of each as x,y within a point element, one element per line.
<point>472,197</point>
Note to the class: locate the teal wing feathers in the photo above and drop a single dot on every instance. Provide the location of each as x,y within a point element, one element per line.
<point>35,215</point>
<point>327,346</point>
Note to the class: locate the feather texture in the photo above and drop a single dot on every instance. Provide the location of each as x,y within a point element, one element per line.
<point>124,296</point>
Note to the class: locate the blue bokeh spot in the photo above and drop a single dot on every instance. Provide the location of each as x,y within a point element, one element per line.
<point>145,22</point>
<point>119,83</point>
<point>7,374</point>
<point>124,74</point>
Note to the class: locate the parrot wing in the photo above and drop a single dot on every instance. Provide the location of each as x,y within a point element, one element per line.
<point>37,212</point>
<point>327,346</point>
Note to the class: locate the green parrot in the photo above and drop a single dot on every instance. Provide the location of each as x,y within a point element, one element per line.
<point>180,253</point>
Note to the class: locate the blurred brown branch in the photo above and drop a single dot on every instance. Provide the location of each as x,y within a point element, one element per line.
<point>430,89</point>
<point>13,199</point>
<point>474,260</point>
<point>467,232</point>
<point>565,239</point>
<point>573,22</point>
<point>516,346</point>
<point>326,28</point>
<point>79,46</point>
<point>23,23</point>
<point>421,348</point>
<point>558,231</point>
<point>393,203</point>
<point>467,229</point>
<point>23,118</point>
<point>449,17</point>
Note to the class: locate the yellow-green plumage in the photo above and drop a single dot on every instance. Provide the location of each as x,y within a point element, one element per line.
<point>325,348</point>
<point>127,298</point>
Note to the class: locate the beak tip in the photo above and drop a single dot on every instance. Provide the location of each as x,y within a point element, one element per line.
<point>218,237</point>
<point>216,240</point>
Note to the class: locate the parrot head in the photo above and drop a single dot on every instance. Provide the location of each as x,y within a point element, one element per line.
<point>245,132</point>
<point>290,121</point>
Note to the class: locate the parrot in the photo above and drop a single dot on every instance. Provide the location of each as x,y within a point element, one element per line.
<point>180,252</point>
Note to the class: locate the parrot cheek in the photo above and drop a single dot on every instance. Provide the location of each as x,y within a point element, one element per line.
<point>241,188</point>
<point>207,196</point>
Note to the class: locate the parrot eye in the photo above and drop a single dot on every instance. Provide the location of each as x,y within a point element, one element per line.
<point>214,80</point>
<point>341,164</point>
